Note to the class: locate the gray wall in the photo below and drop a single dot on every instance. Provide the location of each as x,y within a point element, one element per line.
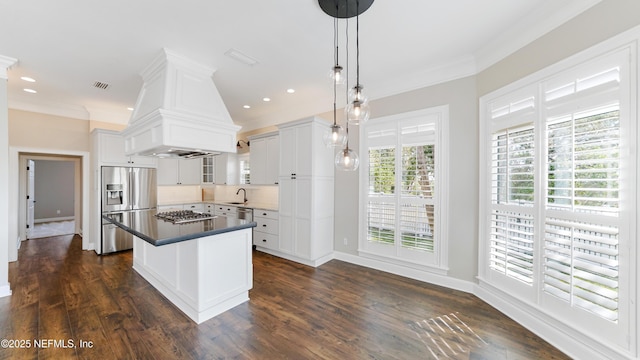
<point>601,22</point>
<point>461,97</point>
<point>595,25</point>
<point>54,189</point>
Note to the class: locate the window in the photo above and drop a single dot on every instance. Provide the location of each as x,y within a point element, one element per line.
<point>556,230</point>
<point>245,169</point>
<point>404,171</point>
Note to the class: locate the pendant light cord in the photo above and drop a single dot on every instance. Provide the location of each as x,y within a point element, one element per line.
<point>335,43</point>
<point>357,42</point>
<point>347,76</point>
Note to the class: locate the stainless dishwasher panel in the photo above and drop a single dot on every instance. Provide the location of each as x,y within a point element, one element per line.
<point>245,214</point>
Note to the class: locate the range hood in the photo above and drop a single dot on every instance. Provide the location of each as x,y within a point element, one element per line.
<point>179,112</point>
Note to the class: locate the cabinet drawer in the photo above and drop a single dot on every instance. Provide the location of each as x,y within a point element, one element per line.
<point>265,240</point>
<point>268,226</point>
<point>194,207</point>
<point>209,208</point>
<point>269,214</point>
<point>225,210</point>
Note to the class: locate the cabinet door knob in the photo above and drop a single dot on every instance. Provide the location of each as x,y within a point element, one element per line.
<point>264,240</point>
<point>264,225</point>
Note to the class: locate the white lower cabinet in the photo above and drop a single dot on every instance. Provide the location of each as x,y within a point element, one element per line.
<point>265,234</point>
<point>209,208</point>
<point>226,210</point>
<point>197,207</point>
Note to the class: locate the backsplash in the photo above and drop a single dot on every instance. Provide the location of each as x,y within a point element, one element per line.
<point>255,194</point>
<point>181,194</point>
<point>168,195</point>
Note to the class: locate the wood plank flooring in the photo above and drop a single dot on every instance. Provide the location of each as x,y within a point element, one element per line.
<point>78,305</point>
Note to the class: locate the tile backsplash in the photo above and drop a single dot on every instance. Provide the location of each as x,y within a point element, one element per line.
<point>182,194</point>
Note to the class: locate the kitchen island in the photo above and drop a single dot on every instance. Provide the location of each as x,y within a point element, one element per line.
<point>204,267</point>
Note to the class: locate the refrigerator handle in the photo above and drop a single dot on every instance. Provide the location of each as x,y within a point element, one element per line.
<point>133,189</point>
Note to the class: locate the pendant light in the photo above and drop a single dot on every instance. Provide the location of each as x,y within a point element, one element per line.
<point>347,159</point>
<point>358,108</point>
<point>336,75</point>
<point>336,136</point>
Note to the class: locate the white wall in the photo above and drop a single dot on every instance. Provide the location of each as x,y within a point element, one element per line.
<point>4,178</point>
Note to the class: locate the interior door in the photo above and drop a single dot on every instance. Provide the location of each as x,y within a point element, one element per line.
<point>31,200</point>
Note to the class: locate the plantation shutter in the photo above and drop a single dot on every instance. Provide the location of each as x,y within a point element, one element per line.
<point>582,205</point>
<point>402,186</point>
<point>511,224</point>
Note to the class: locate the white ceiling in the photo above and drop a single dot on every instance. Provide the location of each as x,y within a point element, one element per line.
<point>68,45</point>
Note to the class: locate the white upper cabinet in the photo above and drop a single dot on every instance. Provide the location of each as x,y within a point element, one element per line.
<point>179,171</point>
<point>208,171</point>
<point>110,147</point>
<point>265,159</point>
<point>226,171</point>
<point>296,154</point>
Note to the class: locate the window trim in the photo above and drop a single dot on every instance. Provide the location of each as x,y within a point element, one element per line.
<point>441,254</point>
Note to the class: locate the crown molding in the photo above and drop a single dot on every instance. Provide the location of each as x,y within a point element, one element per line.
<point>526,30</point>
<point>5,63</point>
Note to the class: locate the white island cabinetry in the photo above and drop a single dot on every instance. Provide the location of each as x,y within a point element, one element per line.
<point>203,277</point>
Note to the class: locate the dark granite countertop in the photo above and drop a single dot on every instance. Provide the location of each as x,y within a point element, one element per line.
<point>157,232</point>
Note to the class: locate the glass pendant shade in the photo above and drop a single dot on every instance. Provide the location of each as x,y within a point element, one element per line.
<point>337,75</point>
<point>356,94</point>
<point>347,160</point>
<point>335,136</point>
<point>357,112</point>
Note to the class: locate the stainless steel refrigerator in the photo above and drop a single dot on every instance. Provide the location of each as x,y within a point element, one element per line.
<point>125,192</point>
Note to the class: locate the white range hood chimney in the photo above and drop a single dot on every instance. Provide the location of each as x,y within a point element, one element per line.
<point>179,112</point>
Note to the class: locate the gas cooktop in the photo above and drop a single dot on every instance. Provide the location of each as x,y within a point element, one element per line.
<point>184,216</point>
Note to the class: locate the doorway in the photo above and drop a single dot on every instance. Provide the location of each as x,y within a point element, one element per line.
<point>17,194</point>
<point>50,199</point>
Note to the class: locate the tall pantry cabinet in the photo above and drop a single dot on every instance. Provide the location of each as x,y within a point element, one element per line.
<point>306,178</point>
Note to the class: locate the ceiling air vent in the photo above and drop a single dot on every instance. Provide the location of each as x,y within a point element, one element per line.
<point>100,85</point>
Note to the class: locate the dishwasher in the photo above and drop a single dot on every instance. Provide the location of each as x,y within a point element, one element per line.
<point>245,214</point>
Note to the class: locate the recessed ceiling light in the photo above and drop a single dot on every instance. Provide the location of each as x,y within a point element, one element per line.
<point>246,106</point>
<point>291,91</point>
<point>30,91</point>
<point>26,78</point>
<point>130,108</point>
<point>266,99</point>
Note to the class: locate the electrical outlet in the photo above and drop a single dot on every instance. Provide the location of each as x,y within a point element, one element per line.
<point>58,212</point>
<point>346,242</point>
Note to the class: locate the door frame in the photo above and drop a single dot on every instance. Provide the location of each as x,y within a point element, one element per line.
<point>23,179</point>
<point>17,187</point>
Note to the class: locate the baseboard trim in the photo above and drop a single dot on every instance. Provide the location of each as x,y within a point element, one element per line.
<point>5,290</point>
<point>431,278</point>
<point>45,220</point>
<point>570,341</point>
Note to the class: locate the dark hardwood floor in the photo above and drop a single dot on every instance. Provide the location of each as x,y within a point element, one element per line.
<point>69,303</point>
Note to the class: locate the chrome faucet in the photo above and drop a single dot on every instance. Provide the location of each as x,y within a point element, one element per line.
<point>245,193</point>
